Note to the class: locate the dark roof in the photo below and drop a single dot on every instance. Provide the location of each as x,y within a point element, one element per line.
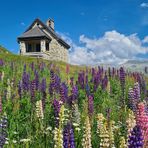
<point>38,32</point>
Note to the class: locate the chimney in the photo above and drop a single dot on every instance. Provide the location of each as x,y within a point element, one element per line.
<point>50,23</point>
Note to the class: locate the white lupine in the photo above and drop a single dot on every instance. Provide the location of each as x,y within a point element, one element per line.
<point>2,76</point>
<point>39,110</point>
<point>86,141</point>
<point>8,93</point>
<point>131,122</point>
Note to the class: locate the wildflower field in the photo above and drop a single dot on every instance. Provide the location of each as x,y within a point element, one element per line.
<point>51,105</point>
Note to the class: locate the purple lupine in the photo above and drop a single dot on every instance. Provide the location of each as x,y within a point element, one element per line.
<point>32,91</point>
<point>81,79</point>
<point>74,95</point>
<point>135,140</point>
<point>37,81</point>
<point>1,62</point>
<point>87,89</point>
<point>32,66</point>
<point>137,92</point>
<point>122,80</point>
<point>43,92</point>
<point>104,82</point>
<point>56,107</point>
<point>90,105</point>
<point>3,131</point>
<point>71,81</point>
<point>63,92</point>
<point>25,81</point>
<point>68,136</point>
<point>20,89</point>
<point>57,84</point>
<point>0,104</point>
<point>132,101</point>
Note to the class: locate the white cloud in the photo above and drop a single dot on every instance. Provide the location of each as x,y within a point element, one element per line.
<point>145,40</point>
<point>144,5</point>
<point>112,48</point>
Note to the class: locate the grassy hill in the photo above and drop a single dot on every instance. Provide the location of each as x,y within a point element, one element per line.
<point>4,50</point>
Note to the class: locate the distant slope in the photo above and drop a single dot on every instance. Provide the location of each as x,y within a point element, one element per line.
<point>4,50</point>
<point>136,65</point>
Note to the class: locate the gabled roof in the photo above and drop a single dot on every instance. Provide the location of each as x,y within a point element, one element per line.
<point>34,32</point>
<point>38,32</point>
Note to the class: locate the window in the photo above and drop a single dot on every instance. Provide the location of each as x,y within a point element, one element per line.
<point>38,48</point>
<point>29,48</point>
<point>47,46</point>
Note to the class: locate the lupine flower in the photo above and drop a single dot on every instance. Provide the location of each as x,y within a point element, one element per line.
<point>137,92</point>
<point>104,82</point>
<point>8,95</point>
<point>63,92</point>
<point>56,107</point>
<point>25,81</point>
<point>3,131</point>
<point>103,132</point>
<point>43,92</point>
<point>1,62</point>
<point>131,122</point>
<point>58,132</point>
<point>32,91</point>
<point>132,101</point>
<point>74,94</point>
<point>20,89</point>
<point>37,82</point>
<point>142,120</point>
<point>90,105</point>
<point>75,115</point>
<point>0,104</point>
<point>111,134</point>
<point>68,136</point>
<point>135,140</point>
<point>39,109</point>
<point>123,143</point>
<point>122,79</point>
<point>108,87</point>
<point>2,76</point>
<point>32,66</point>
<point>86,141</point>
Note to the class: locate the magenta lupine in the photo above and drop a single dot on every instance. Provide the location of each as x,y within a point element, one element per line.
<point>142,120</point>
<point>135,139</point>
<point>68,136</point>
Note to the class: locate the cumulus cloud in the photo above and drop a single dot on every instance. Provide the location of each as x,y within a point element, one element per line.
<point>145,40</point>
<point>144,5</point>
<point>112,48</point>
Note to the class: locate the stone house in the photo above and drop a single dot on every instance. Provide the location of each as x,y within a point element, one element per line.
<point>41,40</point>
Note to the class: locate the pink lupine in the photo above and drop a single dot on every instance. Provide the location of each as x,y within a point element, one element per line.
<point>142,121</point>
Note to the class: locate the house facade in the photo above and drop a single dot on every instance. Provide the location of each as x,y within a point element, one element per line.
<point>41,40</point>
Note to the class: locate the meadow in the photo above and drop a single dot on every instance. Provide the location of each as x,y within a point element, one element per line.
<point>55,105</point>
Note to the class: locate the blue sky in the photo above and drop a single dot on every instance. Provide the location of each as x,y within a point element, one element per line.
<point>85,24</point>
